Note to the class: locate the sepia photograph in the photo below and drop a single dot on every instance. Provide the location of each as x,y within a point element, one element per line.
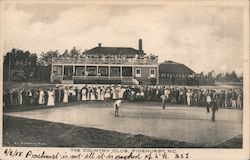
<point>124,75</point>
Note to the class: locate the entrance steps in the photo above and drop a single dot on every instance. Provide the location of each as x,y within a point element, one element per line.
<point>131,82</point>
<point>67,82</point>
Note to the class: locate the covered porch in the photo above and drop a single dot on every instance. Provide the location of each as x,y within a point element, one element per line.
<point>92,74</point>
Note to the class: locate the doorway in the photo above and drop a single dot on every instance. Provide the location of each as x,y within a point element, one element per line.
<point>68,73</point>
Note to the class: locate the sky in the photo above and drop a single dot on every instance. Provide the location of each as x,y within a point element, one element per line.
<point>204,38</point>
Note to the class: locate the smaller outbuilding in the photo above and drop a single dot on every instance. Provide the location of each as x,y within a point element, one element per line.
<point>173,73</point>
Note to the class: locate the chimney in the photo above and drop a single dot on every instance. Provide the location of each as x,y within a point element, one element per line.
<point>99,45</point>
<point>140,45</point>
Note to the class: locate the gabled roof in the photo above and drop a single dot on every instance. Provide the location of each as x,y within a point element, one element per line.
<point>174,67</point>
<point>113,50</point>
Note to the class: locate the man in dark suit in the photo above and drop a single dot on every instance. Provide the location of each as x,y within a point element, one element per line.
<point>6,99</point>
<point>61,94</point>
<point>46,95</point>
<point>76,93</point>
<point>214,108</point>
<point>56,95</point>
<point>24,97</point>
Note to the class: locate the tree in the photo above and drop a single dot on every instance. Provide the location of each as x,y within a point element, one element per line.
<point>43,73</point>
<point>233,76</point>
<point>220,77</point>
<point>65,54</point>
<point>44,66</point>
<point>74,53</point>
<point>46,58</point>
<point>18,60</point>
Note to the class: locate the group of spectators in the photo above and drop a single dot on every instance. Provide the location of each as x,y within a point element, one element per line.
<point>223,98</point>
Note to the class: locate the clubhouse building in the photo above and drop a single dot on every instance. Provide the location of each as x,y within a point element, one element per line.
<point>107,65</point>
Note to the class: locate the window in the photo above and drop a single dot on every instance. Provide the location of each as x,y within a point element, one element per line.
<point>152,73</point>
<point>103,71</point>
<point>115,71</point>
<point>57,70</point>
<point>137,72</point>
<point>127,71</point>
<point>91,71</point>
<point>80,70</point>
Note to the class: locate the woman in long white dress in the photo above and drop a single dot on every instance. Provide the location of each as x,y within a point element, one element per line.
<point>88,93</point>
<point>209,101</point>
<point>113,93</point>
<point>20,97</point>
<point>84,94</point>
<point>41,97</point>
<point>189,95</point>
<point>92,94</point>
<point>102,94</point>
<point>239,101</point>
<point>65,95</point>
<point>107,97</point>
<point>117,92</point>
<point>98,93</point>
<point>51,99</point>
<point>121,92</point>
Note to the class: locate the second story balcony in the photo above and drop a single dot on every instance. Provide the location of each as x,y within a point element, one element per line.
<point>96,60</point>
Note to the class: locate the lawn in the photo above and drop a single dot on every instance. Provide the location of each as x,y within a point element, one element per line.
<point>22,132</point>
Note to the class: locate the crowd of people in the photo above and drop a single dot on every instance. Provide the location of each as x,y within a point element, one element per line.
<point>50,96</point>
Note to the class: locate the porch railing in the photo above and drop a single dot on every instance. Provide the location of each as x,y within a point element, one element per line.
<point>104,61</point>
<point>102,78</point>
<point>93,78</point>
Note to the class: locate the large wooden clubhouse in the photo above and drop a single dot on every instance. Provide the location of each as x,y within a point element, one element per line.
<point>118,65</point>
<point>107,65</point>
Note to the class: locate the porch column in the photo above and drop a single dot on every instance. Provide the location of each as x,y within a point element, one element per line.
<point>97,71</point>
<point>157,75</point>
<point>51,74</point>
<point>73,73</point>
<point>121,72</point>
<point>133,72</point>
<point>74,69</point>
<point>109,72</point>
<point>85,69</point>
<point>62,71</point>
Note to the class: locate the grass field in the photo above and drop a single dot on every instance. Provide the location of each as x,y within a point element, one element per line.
<point>22,132</point>
<point>139,125</point>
